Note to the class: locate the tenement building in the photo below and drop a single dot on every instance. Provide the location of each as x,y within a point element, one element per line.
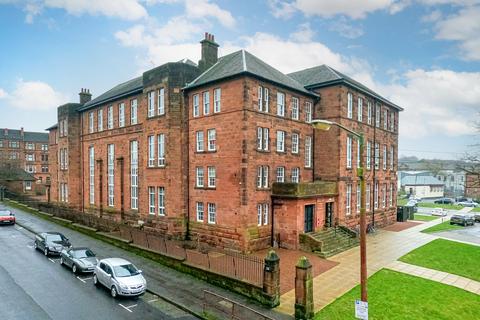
<point>224,152</point>
<point>27,151</point>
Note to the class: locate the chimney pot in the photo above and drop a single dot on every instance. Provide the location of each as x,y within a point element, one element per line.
<point>209,52</point>
<point>85,95</point>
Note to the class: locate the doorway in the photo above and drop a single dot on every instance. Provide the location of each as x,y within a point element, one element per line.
<point>309,208</point>
<point>329,214</point>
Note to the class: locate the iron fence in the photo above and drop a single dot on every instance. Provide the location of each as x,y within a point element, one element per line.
<point>219,307</point>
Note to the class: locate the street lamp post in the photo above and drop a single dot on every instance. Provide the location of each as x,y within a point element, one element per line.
<point>325,125</point>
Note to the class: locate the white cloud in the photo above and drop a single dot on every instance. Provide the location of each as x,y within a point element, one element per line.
<point>303,34</point>
<point>124,9</point>
<point>327,8</point>
<point>436,102</point>
<point>342,27</point>
<point>34,95</point>
<point>433,16</point>
<point>3,94</point>
<point>463,27</point>
<point>196,9</point>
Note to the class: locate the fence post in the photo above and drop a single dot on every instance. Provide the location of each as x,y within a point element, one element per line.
<point>303,290</point>
<point>271,278</point>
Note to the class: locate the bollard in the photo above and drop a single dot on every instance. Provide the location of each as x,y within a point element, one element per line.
<point>303,290</point>
<point>271,278</point>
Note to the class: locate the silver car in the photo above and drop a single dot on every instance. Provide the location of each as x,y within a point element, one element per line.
<point>79,259</point>
<point>120,276</point>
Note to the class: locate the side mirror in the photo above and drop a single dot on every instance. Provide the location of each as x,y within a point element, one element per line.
<point>140,271</point>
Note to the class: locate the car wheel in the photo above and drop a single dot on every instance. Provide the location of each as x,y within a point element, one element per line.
<point>95,280</point>
<point>74,268</point>
<point>113,292</point>
<point>61,261</point>
<point>45,252</point>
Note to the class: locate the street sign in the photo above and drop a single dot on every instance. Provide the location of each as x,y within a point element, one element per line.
<point>361,310</point>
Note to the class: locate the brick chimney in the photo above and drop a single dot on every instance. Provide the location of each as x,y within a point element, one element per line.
<point>85,96</point>
<point>21,132</point>
<point>209,52</point>
<point>5,131</point>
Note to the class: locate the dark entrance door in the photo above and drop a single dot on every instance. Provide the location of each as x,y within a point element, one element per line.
<point>329,214</point>
<point>309,217</point>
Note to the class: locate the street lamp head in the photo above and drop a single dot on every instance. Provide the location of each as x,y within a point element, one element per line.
<point>320,124</point>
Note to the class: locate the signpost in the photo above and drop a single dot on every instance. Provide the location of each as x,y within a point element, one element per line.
<point>361,310</point>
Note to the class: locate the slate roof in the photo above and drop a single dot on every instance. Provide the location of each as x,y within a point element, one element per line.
<point>121,90</point>
<point>322,76</point>
<point>420,181</point>
<point>55,126</point>
<point>243,62</point>
<point>27,136</point>
<point>8,173</point>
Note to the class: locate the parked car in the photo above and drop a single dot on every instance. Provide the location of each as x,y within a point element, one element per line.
<point>418,199</point>
<point>79,259</point>
<point>6,217</point>
<point>440,212</point>
<point>444,201</point>
<point>462,219</point>
<point>120,276</point>
<point>476,216</point>
<point>461,199</point>
<point>468,203</point>
<point>51,242</point>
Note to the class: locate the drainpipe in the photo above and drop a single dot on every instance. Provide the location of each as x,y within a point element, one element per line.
<point>120,163</point>
<point>372,203</point>
<point>100,176</point>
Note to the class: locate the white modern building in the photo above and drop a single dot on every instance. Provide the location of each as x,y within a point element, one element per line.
<point>423,186</point>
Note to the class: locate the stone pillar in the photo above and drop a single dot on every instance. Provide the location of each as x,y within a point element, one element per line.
<point>271,278</point>
<point>303,290</point>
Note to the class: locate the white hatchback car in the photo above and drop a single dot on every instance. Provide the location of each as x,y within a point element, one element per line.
<point>120,276</point>
<point>440,212</point>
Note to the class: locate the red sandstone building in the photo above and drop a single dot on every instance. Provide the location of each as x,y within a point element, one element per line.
<point>28,151</point>
<point>224,152</point>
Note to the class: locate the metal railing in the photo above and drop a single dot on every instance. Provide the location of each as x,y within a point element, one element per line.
<point>217,307</point>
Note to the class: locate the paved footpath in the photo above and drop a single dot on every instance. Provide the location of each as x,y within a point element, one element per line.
<point>438,276</point>
<point>383,248</point>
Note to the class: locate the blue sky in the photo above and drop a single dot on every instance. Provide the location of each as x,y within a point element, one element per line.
<point>422,54</point>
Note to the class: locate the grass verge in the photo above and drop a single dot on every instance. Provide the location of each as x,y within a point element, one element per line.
<point>444,226</point>
<point>439,205</point>
<point>395,296</point>
<point>421,217</point>
<point>445,255</point>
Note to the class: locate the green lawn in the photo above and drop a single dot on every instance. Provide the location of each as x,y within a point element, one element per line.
<point>401,202</point>
<point>394,296</point>
<point>444,226</point>
<point>421,217</point>
<point>476,210</point>
<point>439,205</point>
<point>448,256</point>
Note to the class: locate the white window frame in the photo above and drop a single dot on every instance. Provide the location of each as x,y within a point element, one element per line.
<point>110,117</point>
<point>212,177</point>
<point>369,155</point>
<point>280,104</point>
<point>369,112</point>
<point>111,174</point>
<point>161,201</point>
<point>281,141</point>
<point>349,152</point>
<point>199,177</point>
<point>360,109</point>
<point>121,115</point>
<point>262,177</point>
<point>161,150</point>
<point>375,196</point>
<point>295,143</point>
<point>212,213</point>
<point>259,214</point>
<point>359,197</point>
<point>134,175</point>
<point>358,153</point>
<point>308,152</point>
<point>260,98</point>
<point>349,105</point>
<point>196,105</point>
<point>217,100</point>
<point>308,111</point>
<point>377,156</point>
<point>348,200</point>
<point>133,111</point>
<point>384,157</point>
<point>259,138</point>
<point>200,209</point>
<point>100,120</point>
<point>206,102</point>
<point>280,174</point>
<point>385,119</point>
<point>150,104</point>
<point>390,200</point>
<point>392,121</point>
<point>151,200</point>
<point>377,115</point>
<point>295,108</point>
<point>367,196</point>
<point>91,127</point>
<point>212,139</point>
<point>161,101</point>
<point>200,142</point>
<point>392,157</point>
<point>91,163</point>
<point>384,195</point>
<point>295,177</point>
<point>151,151</point>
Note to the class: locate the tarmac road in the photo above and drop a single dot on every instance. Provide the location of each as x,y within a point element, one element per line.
<point>33,286</point>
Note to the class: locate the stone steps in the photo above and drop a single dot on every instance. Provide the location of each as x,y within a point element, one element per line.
<point>333,241</point>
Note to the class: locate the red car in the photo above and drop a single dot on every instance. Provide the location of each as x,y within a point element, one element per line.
<point>6,217</point>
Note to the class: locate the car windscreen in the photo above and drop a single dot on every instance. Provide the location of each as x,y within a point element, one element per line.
<point>54,238</point>
<point>125,270</point>
<point>83,253</point>
<point>4,213</point>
